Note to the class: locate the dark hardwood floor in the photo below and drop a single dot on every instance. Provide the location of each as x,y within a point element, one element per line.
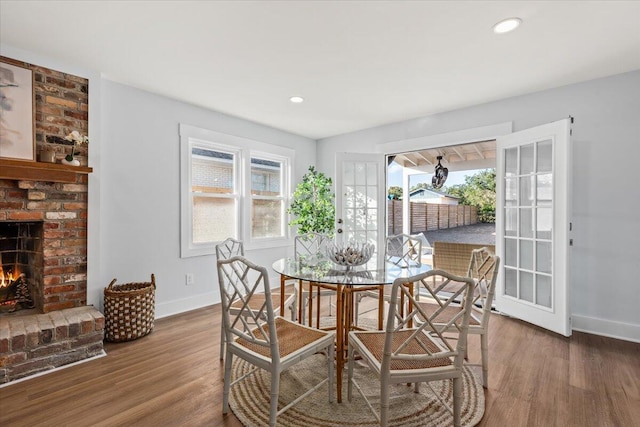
<point>173,377</point>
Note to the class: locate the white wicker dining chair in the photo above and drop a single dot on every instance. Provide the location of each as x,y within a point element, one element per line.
<point>261,338</point>
<point>483,269</point>
<point>229,248</point>
<point>402,250</point>
<point>307,246</point>
<point>408,352</point>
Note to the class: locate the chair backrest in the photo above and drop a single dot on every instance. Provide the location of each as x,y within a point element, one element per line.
<point>229,248</point>
<point>483,269</point>
<point>403,250</point>
<point>412,347</point>
<point>310,244</point>
<point>239,280</point>
<point>454,257</point>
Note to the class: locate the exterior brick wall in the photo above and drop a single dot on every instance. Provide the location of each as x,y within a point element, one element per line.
<point>32,344</point>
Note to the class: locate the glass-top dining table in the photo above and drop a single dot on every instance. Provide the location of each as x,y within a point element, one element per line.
<point>320,273</point>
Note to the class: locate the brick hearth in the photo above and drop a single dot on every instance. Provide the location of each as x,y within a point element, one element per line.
<point>36,343</point>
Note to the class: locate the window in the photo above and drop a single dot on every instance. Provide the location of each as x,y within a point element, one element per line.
<point>232,187</point>
<point>214,194</point>
<point>267,199</point>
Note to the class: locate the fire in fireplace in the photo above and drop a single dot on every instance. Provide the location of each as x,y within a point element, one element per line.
<point>20,265</point>
<point>14,291</point>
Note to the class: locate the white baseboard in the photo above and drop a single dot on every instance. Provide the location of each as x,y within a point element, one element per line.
<point>68,365</point>
<point>185,304</point>
<point>607,328</point>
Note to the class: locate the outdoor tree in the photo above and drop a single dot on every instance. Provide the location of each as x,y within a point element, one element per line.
<point>313,204</point>
<point>395,193</point>
<point>478,190</point>
<point>420,185</point>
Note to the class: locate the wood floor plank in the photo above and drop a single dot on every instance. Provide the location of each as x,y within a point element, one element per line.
<point>173,377</point>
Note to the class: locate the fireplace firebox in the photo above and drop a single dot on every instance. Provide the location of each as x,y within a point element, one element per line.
<point>21,266</point>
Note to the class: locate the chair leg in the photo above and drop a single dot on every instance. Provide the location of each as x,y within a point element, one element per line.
<point>275,387</point>
<point>484,349</point>
<point>227,382</point>
<point>350,373</point>
<point>222,342</point>
<point>457,401</point>
<point>384,401</point>
<point>331,362</point>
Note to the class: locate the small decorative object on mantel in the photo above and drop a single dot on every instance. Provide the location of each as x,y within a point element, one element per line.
<point>48,155</point>
<point>76,138</point>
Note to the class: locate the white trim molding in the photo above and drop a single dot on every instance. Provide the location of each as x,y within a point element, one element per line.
<point>606,328</point>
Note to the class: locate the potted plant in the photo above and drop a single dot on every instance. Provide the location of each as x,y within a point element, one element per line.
<point>313,204</point>
<point>76,138</point>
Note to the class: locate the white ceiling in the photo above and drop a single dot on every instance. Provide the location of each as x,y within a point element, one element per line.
<point>357,64</point>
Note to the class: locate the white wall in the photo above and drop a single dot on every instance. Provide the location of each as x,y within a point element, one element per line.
<point>606,194</point>
<point>133,218</point>
<point>140,205</point>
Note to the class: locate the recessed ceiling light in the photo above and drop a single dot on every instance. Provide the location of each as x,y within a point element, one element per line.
<point>296,99</point>
<point>507,25</point>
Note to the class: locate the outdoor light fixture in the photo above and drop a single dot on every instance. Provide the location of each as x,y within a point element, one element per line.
<point>440,175</point>
<point>296,99</point>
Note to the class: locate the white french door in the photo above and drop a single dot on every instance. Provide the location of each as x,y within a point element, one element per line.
<point>360,196</point>
<point>533,209</point>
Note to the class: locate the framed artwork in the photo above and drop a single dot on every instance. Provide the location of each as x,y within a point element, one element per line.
<point>17,139</point>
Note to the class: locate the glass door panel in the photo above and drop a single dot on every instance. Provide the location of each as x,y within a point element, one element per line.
<point>359,197</point>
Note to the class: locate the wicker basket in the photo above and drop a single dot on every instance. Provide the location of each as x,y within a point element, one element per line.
<point>129,310</point>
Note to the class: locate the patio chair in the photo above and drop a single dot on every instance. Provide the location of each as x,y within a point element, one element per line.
<point>261,338</point>
<point>408,352</point>
<point>402,250</point>
<point>230,248</point>
<point>483,268</point>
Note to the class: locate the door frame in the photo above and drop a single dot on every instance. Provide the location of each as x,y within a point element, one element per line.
<point>464,136</point>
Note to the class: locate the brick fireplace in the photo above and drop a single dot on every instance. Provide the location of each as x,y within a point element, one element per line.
<point>60,328</point>
<point>43,210</point>
<point>61,208</point>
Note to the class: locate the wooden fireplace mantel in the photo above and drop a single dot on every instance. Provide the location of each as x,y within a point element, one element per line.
<point>40,171</point>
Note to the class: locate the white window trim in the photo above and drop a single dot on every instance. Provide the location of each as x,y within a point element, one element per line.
<point>245,148</point>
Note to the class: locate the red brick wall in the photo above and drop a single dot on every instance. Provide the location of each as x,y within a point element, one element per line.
<point>61,102</point>
<point>62,106</point>
<point>63,209</point>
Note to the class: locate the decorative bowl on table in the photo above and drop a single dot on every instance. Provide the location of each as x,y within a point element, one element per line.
<point>350,254</point>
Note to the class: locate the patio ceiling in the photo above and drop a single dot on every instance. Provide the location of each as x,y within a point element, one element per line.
<point>455,157</point>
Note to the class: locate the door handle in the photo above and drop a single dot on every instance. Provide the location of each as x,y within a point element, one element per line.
<point>339,220</point>
<point>339,230</point>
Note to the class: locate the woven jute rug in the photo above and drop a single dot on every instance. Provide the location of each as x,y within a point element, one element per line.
<point>249,399</point>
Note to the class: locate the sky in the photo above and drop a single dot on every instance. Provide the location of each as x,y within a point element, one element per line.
<point>394,176</point>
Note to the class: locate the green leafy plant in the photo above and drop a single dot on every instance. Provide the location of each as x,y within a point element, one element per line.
<point>313,204</point>
<point>478,190</point>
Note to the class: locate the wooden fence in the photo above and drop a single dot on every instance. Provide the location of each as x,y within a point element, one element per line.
<point>430,216</point>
